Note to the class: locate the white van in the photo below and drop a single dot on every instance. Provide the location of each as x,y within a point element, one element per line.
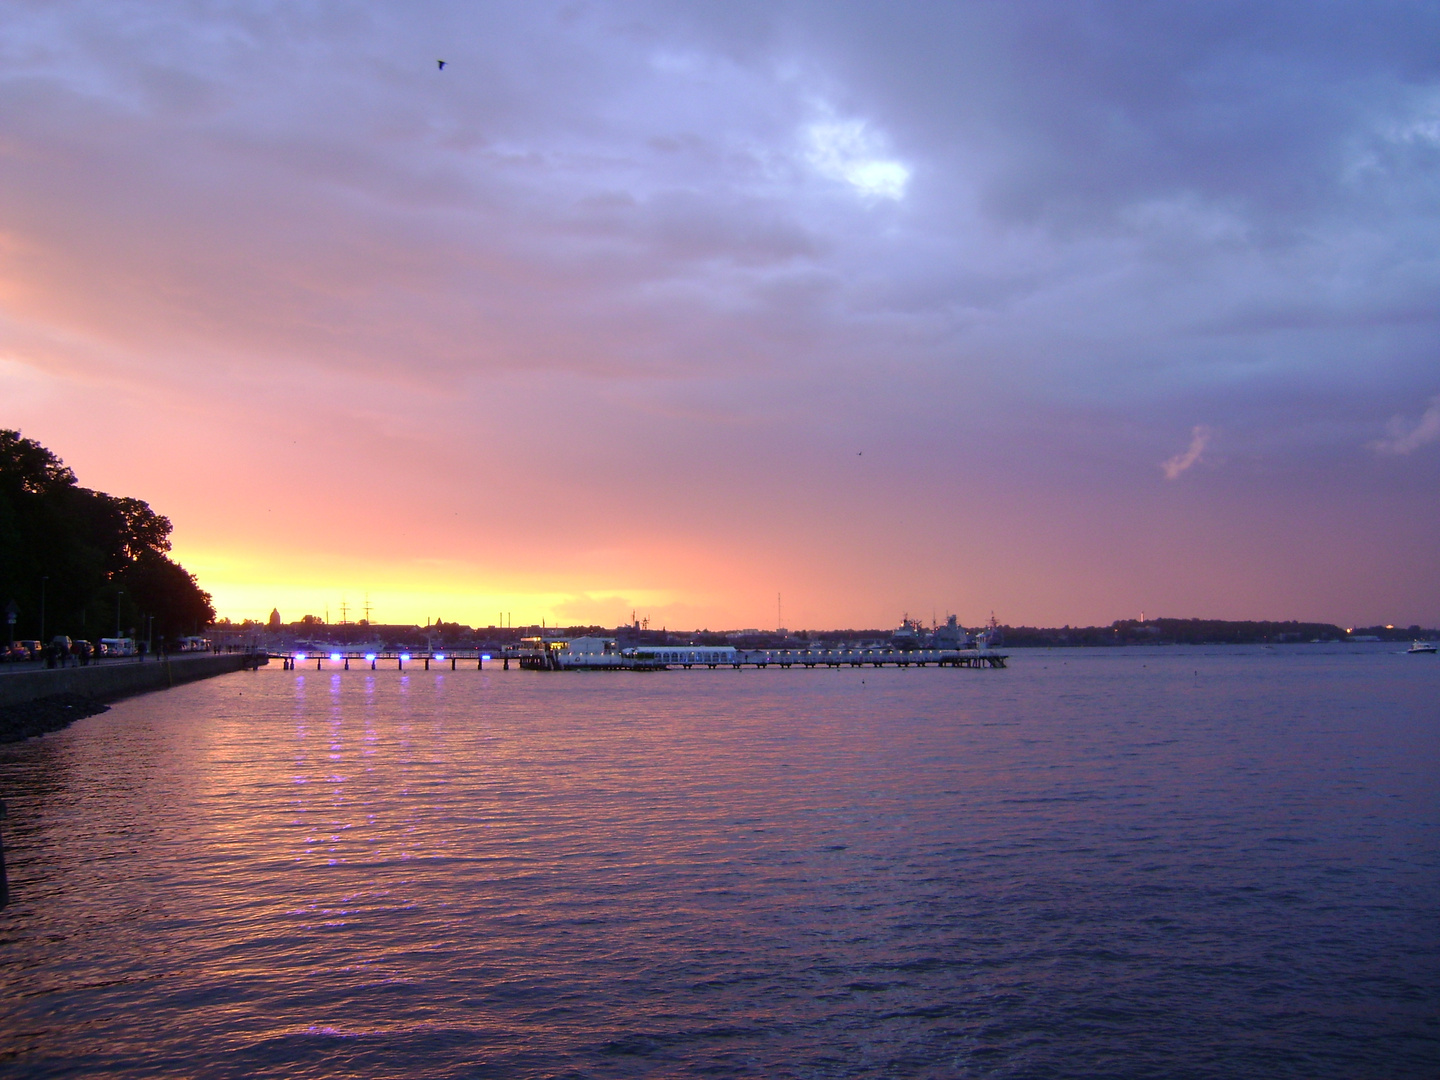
<point>118,646</point>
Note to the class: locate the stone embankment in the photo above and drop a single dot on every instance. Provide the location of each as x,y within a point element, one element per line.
<point>38,700</point>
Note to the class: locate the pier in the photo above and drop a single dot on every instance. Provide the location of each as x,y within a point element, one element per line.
<point>660,658</point>
<point>595,654</point>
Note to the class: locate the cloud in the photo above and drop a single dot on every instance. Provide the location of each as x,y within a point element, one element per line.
<point>1406,439</point>
<point>626,253</point>
<point>1199,439</point>
<point>846,150</point>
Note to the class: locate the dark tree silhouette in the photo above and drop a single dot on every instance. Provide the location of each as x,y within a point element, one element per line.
<point>85,556</point>
<point>170,594</point>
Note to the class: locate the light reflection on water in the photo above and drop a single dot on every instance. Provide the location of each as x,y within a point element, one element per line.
<point>1177,863</point>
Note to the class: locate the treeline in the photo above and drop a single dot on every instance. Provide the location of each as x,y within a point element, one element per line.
<point>1186,632</point>
<point>81,561</point>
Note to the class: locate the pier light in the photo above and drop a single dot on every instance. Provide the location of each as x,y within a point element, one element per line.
<point>486,656</point>
<point>404,657</point>
<point>334,657</point>
<point>299,657</point>
<point>439,657</point>
<point>370,656</point>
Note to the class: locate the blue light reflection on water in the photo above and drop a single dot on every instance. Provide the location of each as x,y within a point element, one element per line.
<point>1148,862</point>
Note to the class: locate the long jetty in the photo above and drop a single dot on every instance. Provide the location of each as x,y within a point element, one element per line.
<point>662,658</point>
<point>657,658</point>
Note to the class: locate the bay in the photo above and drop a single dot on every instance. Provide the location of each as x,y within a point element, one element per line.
<point>1149,862</point>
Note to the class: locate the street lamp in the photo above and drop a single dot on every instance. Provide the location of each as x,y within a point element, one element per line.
<point>43,579</point>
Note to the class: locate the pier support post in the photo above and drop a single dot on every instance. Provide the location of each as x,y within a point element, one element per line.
<point>4,882</point>
<point>479,662</point>
<point>347,663</point>
<point>427,663</point>
<point>507,663</point>
<point>452,663</point>
<point>317,663</point>
<point>372,665</point>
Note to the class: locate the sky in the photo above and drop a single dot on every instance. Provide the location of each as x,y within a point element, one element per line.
<point>731,315</point>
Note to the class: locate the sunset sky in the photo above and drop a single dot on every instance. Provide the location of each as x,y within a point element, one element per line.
<point>1066,311</point>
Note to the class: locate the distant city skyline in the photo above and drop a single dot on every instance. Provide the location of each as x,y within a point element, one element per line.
<point>1059,311</point>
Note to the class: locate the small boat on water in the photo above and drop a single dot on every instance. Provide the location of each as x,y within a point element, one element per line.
<point>1421,647</point>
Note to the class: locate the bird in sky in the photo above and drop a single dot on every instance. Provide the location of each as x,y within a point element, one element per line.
<point>441,63</point>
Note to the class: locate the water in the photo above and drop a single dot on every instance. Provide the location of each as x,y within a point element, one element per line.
<point>1122,863</point>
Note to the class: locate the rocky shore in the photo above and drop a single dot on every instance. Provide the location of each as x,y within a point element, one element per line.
<point>30,718</point>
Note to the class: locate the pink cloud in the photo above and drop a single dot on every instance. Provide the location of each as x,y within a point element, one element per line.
<point>1199,439</point>
<point>1406,438</point>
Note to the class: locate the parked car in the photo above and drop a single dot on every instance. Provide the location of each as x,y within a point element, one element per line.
<point>32,647</point>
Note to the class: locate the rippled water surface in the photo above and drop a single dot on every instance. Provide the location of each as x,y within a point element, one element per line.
<point>1121,863</point>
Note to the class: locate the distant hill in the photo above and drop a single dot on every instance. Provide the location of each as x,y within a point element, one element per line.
<point>1200,632</point>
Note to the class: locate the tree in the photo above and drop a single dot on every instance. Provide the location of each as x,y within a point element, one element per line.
<point>26,466</point>
<point>171,595</point>
<point>88,558</point>
<point>144,530</point>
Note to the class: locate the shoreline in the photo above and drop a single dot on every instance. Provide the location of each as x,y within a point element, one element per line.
<point>37,702</point>
<point>27,719</point>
